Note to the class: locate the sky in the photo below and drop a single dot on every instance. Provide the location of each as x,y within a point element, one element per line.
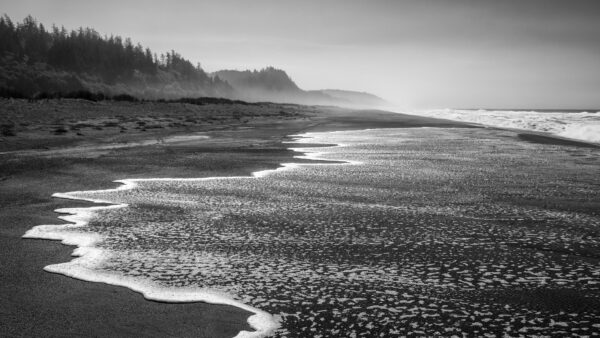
<point>415,53</point>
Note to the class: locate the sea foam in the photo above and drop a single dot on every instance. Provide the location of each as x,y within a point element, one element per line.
<point>89,257</point>
<point>583,126</point>
<point>344,249</point>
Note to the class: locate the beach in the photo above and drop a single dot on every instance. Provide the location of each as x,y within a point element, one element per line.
<point>300,169</point>
<point>38,162</point>
<point>397,231</point>
<point>430,223</point>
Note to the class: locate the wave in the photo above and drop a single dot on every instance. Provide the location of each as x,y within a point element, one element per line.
<point>90,256</point>
<point>326,245</point>
<point>583,126</point>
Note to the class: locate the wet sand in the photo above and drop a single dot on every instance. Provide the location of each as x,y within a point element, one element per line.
<point>544,139</point>
<point>67,145</point>
<point>108,141</point>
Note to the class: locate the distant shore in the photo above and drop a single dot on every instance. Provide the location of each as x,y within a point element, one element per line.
<point>65,145</point>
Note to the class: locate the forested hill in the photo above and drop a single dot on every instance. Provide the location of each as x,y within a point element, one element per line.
<point>271,84</point>
<point>37,61</point>
<point>270,79</point>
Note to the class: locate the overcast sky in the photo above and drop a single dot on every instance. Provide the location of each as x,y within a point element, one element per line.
<point>423,53</point>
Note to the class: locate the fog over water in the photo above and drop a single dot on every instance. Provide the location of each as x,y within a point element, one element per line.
<point>427,231</point>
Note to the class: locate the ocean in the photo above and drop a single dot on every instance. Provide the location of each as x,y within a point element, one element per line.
<point>392,232</point>
<point>577,125</point>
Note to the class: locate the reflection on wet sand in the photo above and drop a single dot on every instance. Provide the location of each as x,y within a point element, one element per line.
<point>429,232</point>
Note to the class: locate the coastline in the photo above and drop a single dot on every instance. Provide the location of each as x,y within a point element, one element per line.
<point>61,305</point>
<point>36,303</point>
<point>88,256</point>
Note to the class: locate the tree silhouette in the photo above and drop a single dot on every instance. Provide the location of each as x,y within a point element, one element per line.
<point>35,60</point>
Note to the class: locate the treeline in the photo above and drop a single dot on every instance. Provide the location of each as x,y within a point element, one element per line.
<point>36,60</point>
<point>269,78</point>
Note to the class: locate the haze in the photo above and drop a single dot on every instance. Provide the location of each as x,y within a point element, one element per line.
<point>484,53</point>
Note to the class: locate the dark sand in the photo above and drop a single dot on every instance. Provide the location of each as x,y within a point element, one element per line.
<point>544,139</point>
<point>67,145</point>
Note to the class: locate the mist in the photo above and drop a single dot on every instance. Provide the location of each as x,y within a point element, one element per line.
<point>533,54</point>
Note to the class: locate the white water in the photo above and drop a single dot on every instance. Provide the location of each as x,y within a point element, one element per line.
<point>584,126</point>
<point>90,257</point>
<point>325,247</point>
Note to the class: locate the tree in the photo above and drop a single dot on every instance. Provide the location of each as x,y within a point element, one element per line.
<point>28,48</point>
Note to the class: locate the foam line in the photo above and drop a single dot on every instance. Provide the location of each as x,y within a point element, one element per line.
<point>582,126</point>
<point>89,257</point>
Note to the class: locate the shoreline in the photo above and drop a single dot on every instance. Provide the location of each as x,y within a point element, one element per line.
<point>88,255</point>
<point>65,306</point>
<point>565,126</point>
<point>37,303</point>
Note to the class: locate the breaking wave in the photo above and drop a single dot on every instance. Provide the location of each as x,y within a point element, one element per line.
<point>584,126</point>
